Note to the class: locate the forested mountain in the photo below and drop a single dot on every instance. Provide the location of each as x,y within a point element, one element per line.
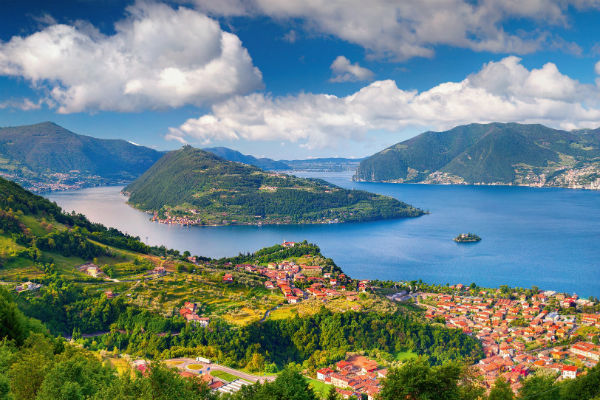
<point>514,154</point>
<point>197,187</point>
<point>233,155</point>
<point>40,155</point>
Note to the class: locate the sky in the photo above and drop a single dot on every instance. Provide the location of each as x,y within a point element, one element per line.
<point>294,79</point>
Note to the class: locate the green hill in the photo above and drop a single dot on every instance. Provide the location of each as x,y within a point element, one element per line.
<point>46,156</point>
<point>197,187</point>
<point>513,154</point>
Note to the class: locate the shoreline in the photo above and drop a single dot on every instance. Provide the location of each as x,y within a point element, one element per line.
<point>479,184</point>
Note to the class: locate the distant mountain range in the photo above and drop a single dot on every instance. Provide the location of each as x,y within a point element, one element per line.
<point>233,155</point>
<point>192,186</point>
<point>45,157</point>
<point>334,164</point>
<point>48,157</point>
<point>313,164</point>
<point>489,154</point>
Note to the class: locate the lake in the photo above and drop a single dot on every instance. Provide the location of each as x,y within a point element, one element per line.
<point>545,237</point>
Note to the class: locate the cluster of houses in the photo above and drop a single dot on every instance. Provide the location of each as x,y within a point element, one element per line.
<point>176,220</point>
<point>353,377</point>
<point>91,269</point>
<point>27,286</point>
<point>519,336</point>
<point>157,271</point>
<point>189,312</point>
<point>287,276</point>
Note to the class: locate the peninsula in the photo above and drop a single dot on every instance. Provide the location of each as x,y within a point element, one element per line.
<point>194,187</point>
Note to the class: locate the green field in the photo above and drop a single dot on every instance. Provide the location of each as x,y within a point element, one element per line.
<point>405,355</point>
<point>321,388</point>
<point>226,376</point>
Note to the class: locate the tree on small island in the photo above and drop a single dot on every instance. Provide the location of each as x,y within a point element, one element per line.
<point>467,238</point>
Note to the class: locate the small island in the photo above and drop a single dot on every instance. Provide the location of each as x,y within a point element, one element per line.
<point>467,238</point>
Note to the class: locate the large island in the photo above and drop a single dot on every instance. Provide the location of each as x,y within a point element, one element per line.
<point>194,187</point>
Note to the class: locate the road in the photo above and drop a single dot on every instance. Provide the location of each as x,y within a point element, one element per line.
<point>218,367</point>
<point>269,312</point>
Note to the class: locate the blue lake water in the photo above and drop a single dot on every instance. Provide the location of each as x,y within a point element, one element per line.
<point>544,237</point>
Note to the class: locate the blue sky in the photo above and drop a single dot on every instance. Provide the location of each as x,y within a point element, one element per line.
<point>296,79</point>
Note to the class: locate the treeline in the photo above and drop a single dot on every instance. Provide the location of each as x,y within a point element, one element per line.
<point>65,307</point>
<point>67,243</point>
<point>312,341</point>
<point>418,380</point>
<point>34,365</point>
<point>9,223</point>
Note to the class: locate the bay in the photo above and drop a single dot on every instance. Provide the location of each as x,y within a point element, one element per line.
<point>531,236</point>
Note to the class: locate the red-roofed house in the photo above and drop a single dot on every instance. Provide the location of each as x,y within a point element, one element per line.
<point>324,373</point>
<point>569,372</point>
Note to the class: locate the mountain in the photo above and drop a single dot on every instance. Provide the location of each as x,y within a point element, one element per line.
<point>233,155</point>
<point>192,186</point>
<point>496,153</point>
<point>46,156</point>
<point>333,164</point>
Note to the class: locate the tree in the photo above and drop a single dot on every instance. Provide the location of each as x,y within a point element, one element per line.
<point>28,372</point>
<point>416,379</point>
<point>77,376</point>
<point>4,387</point>
<point>539,388</point>
<point>13,324</point>
<point>257,363</point>
<point>333,394</point>
<point>501,390</point>
<point>289,385</point>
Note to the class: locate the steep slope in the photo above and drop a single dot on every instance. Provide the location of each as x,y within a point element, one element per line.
<point>491,154</point>
<point>192,186</point>
<point>233,155</point>
<point>33,154</point>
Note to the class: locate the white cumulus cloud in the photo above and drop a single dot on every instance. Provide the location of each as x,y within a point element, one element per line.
<point>21,104</point>
<point>344,71</point>
<point>158,57</point>
<point>502,91</point>
<point>412,28</point>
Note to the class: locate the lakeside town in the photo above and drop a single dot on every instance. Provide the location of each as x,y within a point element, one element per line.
<point>541,333</point>
<point>522,331</point>
<point>192,217</point>
<point>41,183</point>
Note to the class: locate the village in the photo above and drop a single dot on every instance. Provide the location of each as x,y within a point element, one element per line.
<point>521,333</point>
<point>522,336</point>
<point>354,377</point>
<point>300,282</point>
